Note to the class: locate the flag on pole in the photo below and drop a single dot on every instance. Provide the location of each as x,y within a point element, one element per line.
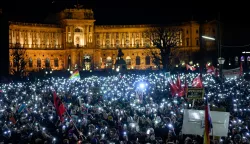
<point>60,109</point>
<point>75,75</point>
<point>208,123</point>
<point>197,82</point>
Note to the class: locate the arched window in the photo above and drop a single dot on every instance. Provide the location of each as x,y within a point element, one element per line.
<point>147,59</point>
<point>47,63</point>
<point>128,60</point>
<point>137,60</point>
<point>39,63</point>
<point>30,62</point>
<point>56,62</point>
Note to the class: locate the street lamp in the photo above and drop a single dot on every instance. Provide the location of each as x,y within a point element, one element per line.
<point>221,61</point>
<point>201,44</point>
<point>207,37</point>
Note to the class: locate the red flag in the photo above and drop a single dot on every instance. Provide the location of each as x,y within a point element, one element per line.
<point>178,82</point>
<point>177,90</point>
<point>181,92</point>
<point>173,88</point>
<point>197,82</point>
<point>59,106</point>
<point>192,68</point>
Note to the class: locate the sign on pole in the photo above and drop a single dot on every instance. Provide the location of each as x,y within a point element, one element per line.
<point>195,93</point>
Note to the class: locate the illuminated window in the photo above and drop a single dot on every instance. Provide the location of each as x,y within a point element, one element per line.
<point>109,62</point>
<point>128,60</point>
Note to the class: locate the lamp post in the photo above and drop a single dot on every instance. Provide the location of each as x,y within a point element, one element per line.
<point>221,61</point>
<point>202,46</point>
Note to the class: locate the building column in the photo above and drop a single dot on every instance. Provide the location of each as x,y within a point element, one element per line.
<point>133,40</point>
<point>66,32</point>
<point>142,39</point>
<point>87,34</point>
<point>113,39</point>
<point>92,33</point>
<point>104,39</point>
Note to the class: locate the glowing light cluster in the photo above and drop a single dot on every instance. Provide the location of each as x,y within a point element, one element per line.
<point>114,98</point>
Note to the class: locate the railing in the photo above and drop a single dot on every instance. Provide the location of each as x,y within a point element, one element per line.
<point>34,24</point>
<point>35,46</point>
<point>122,26</point>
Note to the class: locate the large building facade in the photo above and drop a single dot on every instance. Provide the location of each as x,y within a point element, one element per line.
<point>76,42</point>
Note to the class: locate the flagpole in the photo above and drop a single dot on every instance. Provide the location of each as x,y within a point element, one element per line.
<point>73,123</point>
<point>70,119</point>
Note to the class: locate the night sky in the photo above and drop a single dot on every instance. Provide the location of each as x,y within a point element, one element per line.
<point>234,15</point>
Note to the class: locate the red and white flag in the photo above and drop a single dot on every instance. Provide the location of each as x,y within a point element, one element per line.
<point>197,82</point>
<point>176,89</point>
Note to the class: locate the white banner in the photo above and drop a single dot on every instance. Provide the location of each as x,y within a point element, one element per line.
<point>193,122</point>
<point>231,73</point>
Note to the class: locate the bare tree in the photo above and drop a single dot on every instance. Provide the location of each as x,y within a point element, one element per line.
<point>19,61</point>
<point>164,39</point>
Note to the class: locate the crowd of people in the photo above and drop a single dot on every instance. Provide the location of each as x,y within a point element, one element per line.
<point>124,108</point>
